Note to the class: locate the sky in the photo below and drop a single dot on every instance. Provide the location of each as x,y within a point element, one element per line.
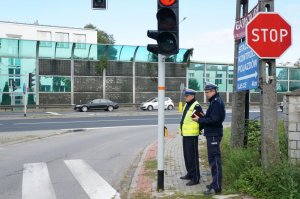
<point>207,27</point>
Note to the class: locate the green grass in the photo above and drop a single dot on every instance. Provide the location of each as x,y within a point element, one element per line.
<point>151,168</point>
<point>243,172</point>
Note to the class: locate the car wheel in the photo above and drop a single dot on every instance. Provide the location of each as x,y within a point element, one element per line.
<point>84,109</point>
<point>170,107</point>
<point>150,108</point>
<point>110,108</point>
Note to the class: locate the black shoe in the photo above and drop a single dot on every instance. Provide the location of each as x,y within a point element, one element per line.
<point>208,186</point>
<point>192,182</point>
<point>186,177</point>
<point>212,191</point>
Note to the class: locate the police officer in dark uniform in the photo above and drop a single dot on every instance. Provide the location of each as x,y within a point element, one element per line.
<point>213,130</point>
<point>190,131</point>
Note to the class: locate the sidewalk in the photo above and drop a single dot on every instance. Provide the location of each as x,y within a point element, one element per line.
<point>173,168</point>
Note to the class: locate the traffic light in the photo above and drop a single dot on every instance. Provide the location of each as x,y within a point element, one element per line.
<point>31,80</point>
<point>167,35</point>
<point>99,4</point>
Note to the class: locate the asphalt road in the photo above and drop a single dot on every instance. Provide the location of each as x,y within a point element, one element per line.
<point>109,152</point>
<point>92,121</point>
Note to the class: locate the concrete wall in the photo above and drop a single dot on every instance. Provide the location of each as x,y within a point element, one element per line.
<point>291,104</point>
<point>118,79</point>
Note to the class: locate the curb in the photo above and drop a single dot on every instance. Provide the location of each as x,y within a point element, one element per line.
<point>134,182</point>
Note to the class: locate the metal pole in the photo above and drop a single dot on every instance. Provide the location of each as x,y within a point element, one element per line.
<point>161,122</point>
<point>11,94</point>
<point>24,94</point>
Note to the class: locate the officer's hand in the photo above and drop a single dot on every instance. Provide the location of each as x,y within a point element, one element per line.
<point>195,118</point>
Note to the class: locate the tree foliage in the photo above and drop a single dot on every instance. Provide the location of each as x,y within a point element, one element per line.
<point>102,37</point>
<point>193,84</point>
<point>6,97</point>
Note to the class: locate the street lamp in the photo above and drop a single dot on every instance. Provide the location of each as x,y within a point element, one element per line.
<point>184,18</point>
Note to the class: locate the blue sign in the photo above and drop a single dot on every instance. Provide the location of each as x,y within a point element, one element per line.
<point>24,89</point>
<point>247,71</point>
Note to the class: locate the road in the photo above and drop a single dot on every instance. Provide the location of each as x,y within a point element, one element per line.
<point>33,168</point>
<point>74,164</point>
<point>93,121</point>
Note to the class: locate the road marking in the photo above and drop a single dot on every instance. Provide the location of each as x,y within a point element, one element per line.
<point>92,121</point>
<point>93,184</point>
<point>54,113</point>
<point>110,127</point>
<point>36,182</point>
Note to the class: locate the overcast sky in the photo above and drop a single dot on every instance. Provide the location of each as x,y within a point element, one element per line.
<point>208,27</point>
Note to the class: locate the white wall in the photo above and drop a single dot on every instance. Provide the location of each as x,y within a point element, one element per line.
<point>30,31</point>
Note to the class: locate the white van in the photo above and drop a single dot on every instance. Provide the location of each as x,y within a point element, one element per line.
<point>152,103</point>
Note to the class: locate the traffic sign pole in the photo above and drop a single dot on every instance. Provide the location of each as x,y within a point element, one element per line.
<point>24,99</point>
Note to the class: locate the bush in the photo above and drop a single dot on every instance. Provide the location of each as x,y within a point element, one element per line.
<point>242,170</point>
<point>279,181</point>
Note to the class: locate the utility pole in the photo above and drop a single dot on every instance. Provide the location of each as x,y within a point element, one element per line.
<point>270,153</point>
<point>238,98</point>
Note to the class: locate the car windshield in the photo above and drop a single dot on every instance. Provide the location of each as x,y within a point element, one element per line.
<point>149,100</point>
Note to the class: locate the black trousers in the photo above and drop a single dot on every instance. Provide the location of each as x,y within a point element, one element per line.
<point>191,156</point>
<point>214,159</point>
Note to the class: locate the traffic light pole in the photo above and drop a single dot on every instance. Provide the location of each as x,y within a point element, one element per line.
<point>161,122</point>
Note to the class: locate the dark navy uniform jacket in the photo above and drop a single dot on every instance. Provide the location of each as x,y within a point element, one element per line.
<point>214,117</point>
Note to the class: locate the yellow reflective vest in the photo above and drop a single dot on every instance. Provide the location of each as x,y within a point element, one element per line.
<point>190,127</point>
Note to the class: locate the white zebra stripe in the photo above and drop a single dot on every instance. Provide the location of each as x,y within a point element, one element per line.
<point>36,182</point>
<point>93,184</point>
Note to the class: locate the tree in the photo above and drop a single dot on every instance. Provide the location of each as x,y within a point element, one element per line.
<point>102,37</point>
<point>193,84</point>
<point>6,97</point>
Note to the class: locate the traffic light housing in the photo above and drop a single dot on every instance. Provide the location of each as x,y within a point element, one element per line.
<point>167,33</point>
<point>31,80</point>
<point>99,4</point>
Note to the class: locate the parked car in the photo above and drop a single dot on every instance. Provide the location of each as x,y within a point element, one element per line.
<point>152,103</point>
<point>97,104</point>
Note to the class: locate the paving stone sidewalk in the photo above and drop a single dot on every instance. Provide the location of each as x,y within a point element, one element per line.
<point>173,167</point>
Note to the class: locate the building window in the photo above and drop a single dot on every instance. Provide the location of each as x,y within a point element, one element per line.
<point>207,77</point>
<point>191,75</point>
<point>62,40</point>
<point>218,79</point>
<point>80,40</point>
<point>230,80</point>
<point>45,38</point>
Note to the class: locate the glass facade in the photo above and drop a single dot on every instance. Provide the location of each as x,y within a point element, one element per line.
<point>288,79</point>
<point>55,72</point>
<point>18,58</point>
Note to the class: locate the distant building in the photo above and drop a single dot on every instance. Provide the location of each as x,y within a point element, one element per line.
<point>66,67</point>
<point>46,33</point>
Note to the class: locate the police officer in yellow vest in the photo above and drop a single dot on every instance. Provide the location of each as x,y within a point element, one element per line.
<point>190,132</point>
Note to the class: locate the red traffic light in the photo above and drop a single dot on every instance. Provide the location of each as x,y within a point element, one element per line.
<point>167,2</point>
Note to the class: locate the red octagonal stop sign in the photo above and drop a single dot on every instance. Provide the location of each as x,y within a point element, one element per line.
<point>268,35</point>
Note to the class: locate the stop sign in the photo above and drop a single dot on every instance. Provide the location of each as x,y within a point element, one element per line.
<point>268,35</point>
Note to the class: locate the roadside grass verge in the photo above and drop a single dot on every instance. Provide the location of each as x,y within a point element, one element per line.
<point>243,172</point>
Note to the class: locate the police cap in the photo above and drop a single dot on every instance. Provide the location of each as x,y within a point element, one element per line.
<point>210,86</point>
<point>189,91</point>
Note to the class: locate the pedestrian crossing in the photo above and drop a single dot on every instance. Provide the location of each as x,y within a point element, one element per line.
<point>37,184</point>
